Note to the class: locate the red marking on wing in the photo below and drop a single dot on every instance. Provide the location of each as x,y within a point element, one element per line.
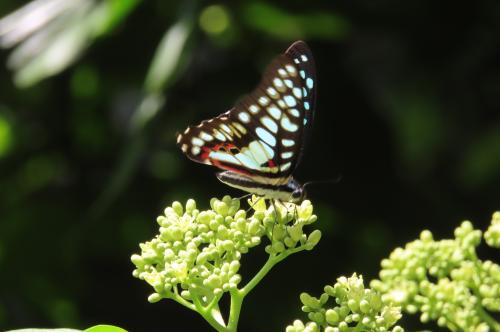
<point>271,163</point>
<point>219,164</point>
<point>206,150</point>
<point>205,153</point>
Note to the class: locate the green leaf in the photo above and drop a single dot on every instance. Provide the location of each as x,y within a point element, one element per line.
<point>285,25</point>
<point>105,328</point>
<point>97,328</point>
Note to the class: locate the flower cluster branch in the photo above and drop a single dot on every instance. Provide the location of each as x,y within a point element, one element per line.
<point>195,258</point>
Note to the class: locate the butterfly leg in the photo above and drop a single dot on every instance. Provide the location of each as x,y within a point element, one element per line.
<point>244,196</point>
<point>275,218</point>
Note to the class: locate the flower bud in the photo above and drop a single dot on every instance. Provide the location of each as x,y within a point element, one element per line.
<point>153,298</point>
<point>178,209</point>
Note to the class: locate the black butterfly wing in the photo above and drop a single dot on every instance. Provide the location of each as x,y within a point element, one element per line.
<point>263,135</point>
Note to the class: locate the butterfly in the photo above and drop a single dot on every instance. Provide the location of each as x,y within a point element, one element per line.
<point>259,142</point>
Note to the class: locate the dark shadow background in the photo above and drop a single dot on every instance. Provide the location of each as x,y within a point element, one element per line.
<point>407,113</point>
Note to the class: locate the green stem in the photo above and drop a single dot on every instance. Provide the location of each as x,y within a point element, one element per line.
<point>185,303</point>
<point>237,297</point>
<point>488,319</point>
<point>480,310</point>
<point>271,261</point>
<point>211,314</point>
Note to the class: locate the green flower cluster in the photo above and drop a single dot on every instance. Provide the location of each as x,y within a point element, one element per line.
<point>200,251</point>
<point>284,224</point>
<point>444,280</point>
<point>196,256</point>
<point>355,308</point>
<point>492,235</point>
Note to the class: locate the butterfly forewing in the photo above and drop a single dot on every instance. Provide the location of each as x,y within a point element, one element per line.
<point>262,136</point>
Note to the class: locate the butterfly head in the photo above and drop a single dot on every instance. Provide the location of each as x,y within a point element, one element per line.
<point>298,193</point>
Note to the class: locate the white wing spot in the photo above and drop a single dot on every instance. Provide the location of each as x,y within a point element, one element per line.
<point>281,104</point>
<point>219,136</point>
<point>304,92</point>
<point>263,101</point>
<point>179,137</point>
<point>289,83</point>
<point>226,128</point>
<point>259,151</point>
<point>223,156</point>
<point>269,124</point>
<point>244,116</point>
<point>295,112</point>
<point>297,61</point>
<point>290,101</point>
<point>274,111</point>
<point>184,147</point>
<point>253,109</point>
<point>240,127</point>
<point>278,83</point>
<point>206,136</point>
<point>269,151</point>
<point>272,92</point>
<point>309,83</point>
<point>187,130</point>
<point>303,57</point>
<point>286,155</point>
<point>297,93</point>
<point>285,166</point>
<point>285,123</point>
<point>291,69</point>
<point>195,150</point>
<point>282,72</point>
<point>305,121</point>
<point>302,74</point>
<point>266,136</point>
<point>197,141</point>
<point>306,105</point>
<point>287,142</point>
<point>246,160</point>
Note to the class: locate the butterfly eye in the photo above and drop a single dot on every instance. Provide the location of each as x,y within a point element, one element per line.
<point>298,193</point>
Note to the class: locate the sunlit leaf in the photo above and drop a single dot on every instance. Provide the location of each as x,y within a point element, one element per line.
<point>51,34</point>
<point>5,136</point>
<point>214,19</point>
<point>105,328</point>
<point>285,25</point>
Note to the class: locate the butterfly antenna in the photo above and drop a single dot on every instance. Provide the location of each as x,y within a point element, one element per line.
<point>333,181</point>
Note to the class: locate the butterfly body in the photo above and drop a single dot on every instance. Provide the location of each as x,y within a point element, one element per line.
<point>258,143</point>
<point>290,191</point>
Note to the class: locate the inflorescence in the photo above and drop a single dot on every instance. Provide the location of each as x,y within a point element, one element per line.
<point>347,306</point>
<point>444,280</point>
<point>196,256</point>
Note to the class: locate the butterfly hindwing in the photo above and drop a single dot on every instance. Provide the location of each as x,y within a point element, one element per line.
<point>262,136</point>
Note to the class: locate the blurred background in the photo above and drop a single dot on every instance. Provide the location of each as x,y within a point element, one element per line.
<point>92,93</point>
